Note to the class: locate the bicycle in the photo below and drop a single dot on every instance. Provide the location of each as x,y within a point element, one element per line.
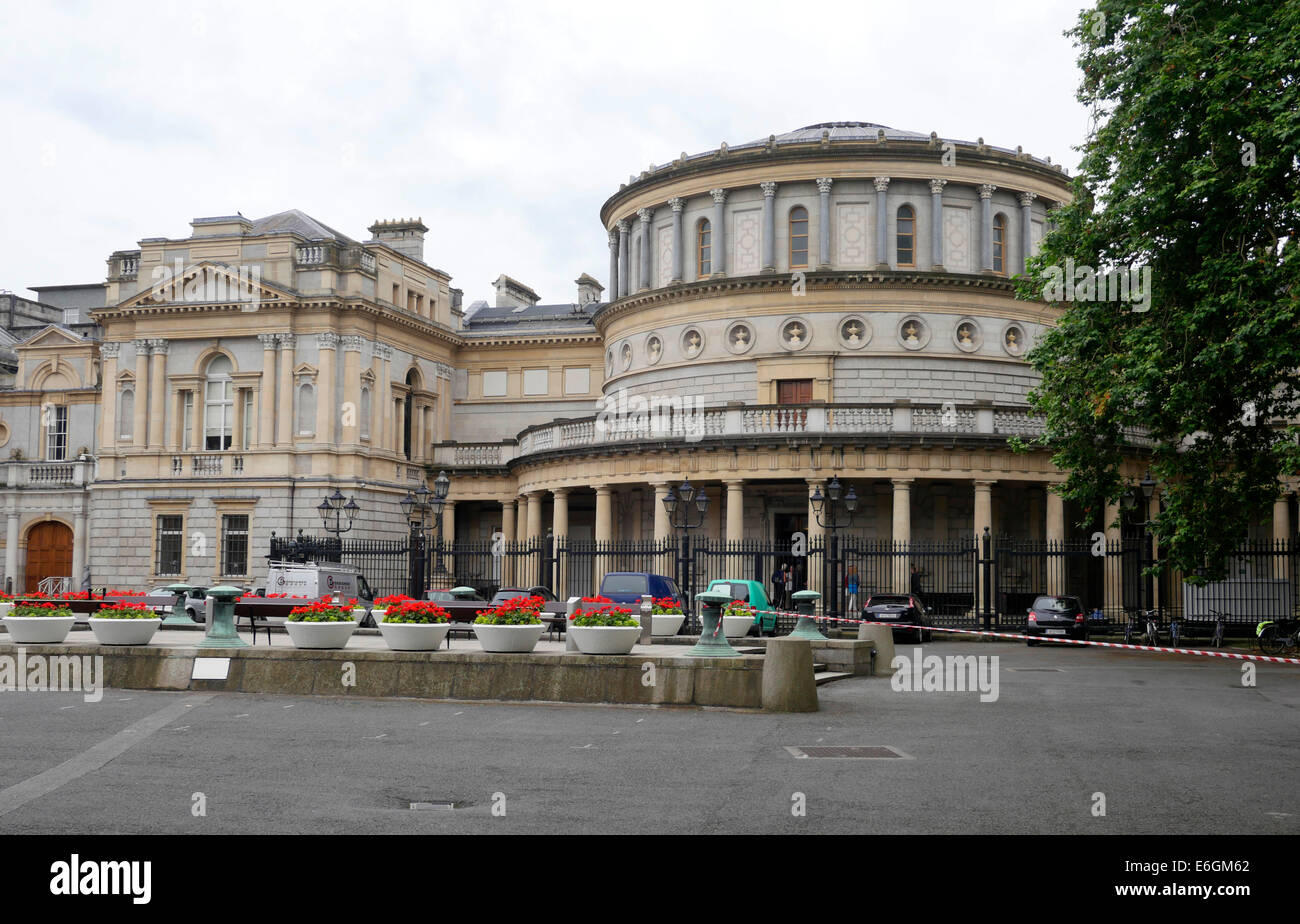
<point>1220,617</point>
<point>1151,635</point>
<point>1273,639</point>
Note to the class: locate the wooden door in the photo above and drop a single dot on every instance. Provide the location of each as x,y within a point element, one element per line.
<point>49,554</point>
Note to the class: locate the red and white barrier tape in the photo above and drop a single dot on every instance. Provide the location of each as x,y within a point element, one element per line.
<point>1230,655</point>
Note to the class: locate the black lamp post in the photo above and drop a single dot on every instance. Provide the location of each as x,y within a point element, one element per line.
<point>337,513</point>
<point>679,506</point>
<point>840,508</point>
<point>418,508</point>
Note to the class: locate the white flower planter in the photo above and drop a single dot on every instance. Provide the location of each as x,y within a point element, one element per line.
<point>124,631</point>
<point>319,634</point>
<point>379,614</point>
<point>5,608</point>
<point>38,630</point>
<point>508,638</point>
<point>414,636</point>
<point>666,624</point>
<point>359,613</point>
<point>605,640</point>
<point>736,626</point>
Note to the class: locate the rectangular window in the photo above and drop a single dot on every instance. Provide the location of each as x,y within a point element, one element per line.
<point>56,433</point>
<point>794,391</point>
<point>577,381</point>
<point>536,382</point>
<point>234,545</point>
<point>170,544</point>
<point>494,384</point>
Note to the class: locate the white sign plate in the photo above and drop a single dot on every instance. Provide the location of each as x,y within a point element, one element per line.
<point>210,669</point>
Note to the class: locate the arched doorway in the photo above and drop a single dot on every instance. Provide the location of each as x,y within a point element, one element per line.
<point>49,554</point>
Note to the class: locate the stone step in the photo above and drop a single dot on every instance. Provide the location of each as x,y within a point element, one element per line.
<point>824,676</point>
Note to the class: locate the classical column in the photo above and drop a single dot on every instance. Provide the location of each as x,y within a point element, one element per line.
<point>679,238</point>
<point>769,226</point>
<point>1026,225</point>
<point>108,353</point>
<point>535,514</point>
<point>604,530</point>
<point>79,543</point>
<point>237,431</point>
<point>645,215</point>
<point>351,433</point>
<point>1114,570</point>
<point>936,223</point>
<point>986,228</point>
<point>11,553</point>
<point>623,226</point>
<point>266,396</point>
<point>196,422</point>
<point>449,536</point>
<point>824,223</point>
<point>902,533</point>
<point>521,521</point>
<point>882,222</point>
<point>1282,519</point>
<point>735,510</point>
<point>1056,541</point>
<point>284,414</point>
<point>663,525</point>
<point>417,428</point>
<point>816,539</point>
<point>157,393</point>
<point>718,238</point>
<point>140,417</point>
<point>983,521</point>
<point>559,532</point>
<point>326,412</point>
<point>508,536</point>
<point>524,569</point>
<point>399,429</point>
<point>381,403</point>
<point>613,264</point>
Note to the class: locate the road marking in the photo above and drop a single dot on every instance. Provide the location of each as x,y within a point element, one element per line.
<point>92,759</point>
<point>374,737</point>
<point>242,715</point>
<point>422,724</point>
<point>61,708</point>
<point>574,747</point>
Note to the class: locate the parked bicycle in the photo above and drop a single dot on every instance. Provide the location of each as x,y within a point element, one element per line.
<point>1220,617</point>
<point>1147,623</point>
<point>1275,637</point>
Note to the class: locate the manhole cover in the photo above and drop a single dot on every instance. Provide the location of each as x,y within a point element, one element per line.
<point>859,752</point>
<point>438,805</point>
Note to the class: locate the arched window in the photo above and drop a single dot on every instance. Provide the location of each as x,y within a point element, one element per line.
<point>126,414</point>
<point>306,409</point>
<point>999,243</point>
<point>218,404</point>
<point>798,237</point>
<point>704,248</point>
<point>906,235</point>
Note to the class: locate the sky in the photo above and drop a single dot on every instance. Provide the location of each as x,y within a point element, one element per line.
<point>504,126</point>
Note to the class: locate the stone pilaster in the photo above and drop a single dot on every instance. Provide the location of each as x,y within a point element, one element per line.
<point>882,222</point>
<point>1026,226</point>
<point>824,222</point>
<point>986,228</point>
<point>679,240</point>
<point>936,223</point>
<point>718,240</point>
<point>769,226</point>
<point>647,250</point>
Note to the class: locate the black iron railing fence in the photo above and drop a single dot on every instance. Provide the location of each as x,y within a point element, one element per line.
<point>991,581</point>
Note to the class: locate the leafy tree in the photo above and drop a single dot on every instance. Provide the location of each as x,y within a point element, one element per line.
<point>1189,170</point>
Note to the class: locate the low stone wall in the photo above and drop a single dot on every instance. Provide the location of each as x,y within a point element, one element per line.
<point>845,656</point>
<point>568,678</point>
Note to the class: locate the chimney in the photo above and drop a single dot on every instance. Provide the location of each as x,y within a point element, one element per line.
<point>588,290</point>
<point>405,235</point>
<point>511,293</point>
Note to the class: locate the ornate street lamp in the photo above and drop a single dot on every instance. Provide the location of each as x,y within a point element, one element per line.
<point>418,508</point>
<point>678,505</point>
<point>337,513</point>
<point>833,511</point>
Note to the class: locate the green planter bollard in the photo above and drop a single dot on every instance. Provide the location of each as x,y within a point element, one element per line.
<point>805,602</point>
<point>713,641</point>
<point>178,616</point>
<point>221,628</point>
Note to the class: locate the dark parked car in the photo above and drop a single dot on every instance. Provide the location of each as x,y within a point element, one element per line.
<point>905,609</point>
<point>1056,617</point>
<point>626,587</point>
<point>509,593</point>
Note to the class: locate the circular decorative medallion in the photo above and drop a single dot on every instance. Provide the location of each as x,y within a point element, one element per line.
<point>740,337</point>
<point>1014,341</point>
<point>796,333</point>
<point>967,335</point>
<point>855,332</point>
<point>654,349</point>
<point>913,333</point>
<point>626,355</point>
<point>692,342</point>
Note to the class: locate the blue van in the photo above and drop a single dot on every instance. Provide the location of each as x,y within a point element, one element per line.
<point>626,587</point>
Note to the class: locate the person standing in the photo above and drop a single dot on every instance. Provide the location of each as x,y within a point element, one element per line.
<point>851,586</point>
<point>916,576</point>
<point>789,585</point>
<point>778,588</point>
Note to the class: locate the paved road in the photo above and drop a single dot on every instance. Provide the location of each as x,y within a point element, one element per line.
<point>1175,744</point>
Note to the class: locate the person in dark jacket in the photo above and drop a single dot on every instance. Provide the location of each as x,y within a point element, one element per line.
<point>916,576</point>
<point>778,588</point>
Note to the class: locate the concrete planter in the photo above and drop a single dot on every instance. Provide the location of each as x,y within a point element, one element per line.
<point>38,630</point>
<point>414,636</point>
<point>5,608</point>
<point>320,634</point>
<point>124,631</point>
<point>508,638</point>
<point>379,614</point>
<point>736,626</point>
<point>605,640</point>
<point>666,625</point>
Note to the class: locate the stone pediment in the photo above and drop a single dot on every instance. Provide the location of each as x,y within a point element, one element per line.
<point>207,283</point>
<point>53,336</point>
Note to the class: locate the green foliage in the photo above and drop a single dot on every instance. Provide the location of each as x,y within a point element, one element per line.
<point>36,610</point>
<point>1191,170</point>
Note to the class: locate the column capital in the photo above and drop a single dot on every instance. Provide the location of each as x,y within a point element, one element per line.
<point>769,189</point>
<point>383,351</point>
<point>268,340</point>
<point>719,195</point>
<point>327,341</point>
<point>984,485</point>
<point>561,492</point>
<point>815,482</point>
<point>824,183</point>
<point>986,191</point>
<point>676,204</point>
<point>645,215</point>
<point>734,482</point>
<point>881,183</point>
<point>287,341</point>
<point>1026,198</point>
<point>613,239</point>
<point>936,186</point>
<point>158,347</point>
<point>604,489</point>
<point>624,225</point>
<point>352,343</point>
<point>110,350</point>
<point>141,345</point>
<point>901,482</point>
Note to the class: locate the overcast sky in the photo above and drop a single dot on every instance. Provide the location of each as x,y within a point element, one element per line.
<point>504,125</point>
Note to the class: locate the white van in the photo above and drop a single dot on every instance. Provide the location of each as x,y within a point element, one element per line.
<point>297,579</point>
